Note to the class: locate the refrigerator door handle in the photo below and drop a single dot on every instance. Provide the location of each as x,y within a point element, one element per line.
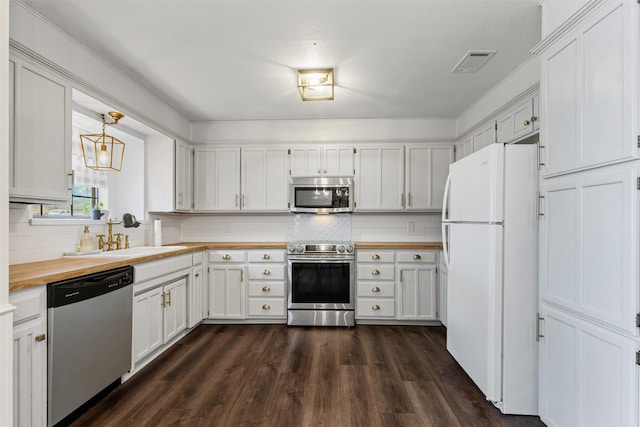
<point>445,246</point>
<point>445,199</point>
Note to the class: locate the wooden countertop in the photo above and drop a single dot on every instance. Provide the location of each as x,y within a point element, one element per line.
<point>38,273</point>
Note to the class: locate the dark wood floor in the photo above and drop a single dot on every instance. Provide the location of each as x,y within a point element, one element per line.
<point>272,375</point>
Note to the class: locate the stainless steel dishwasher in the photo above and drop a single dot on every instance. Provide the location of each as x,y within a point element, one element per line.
<point>89,348</point>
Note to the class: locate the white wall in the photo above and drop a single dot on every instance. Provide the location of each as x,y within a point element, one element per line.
<point>523,78</point>
<point>325,130</point>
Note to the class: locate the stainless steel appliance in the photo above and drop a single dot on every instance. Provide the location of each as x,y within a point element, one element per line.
<point>321,195</point>
<point>89,348</point>
<point>321,284</point>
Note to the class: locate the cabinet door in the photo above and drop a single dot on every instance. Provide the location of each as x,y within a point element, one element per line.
<point>305,161</point>
<point>197,308</point>
<point>147,323</point>
<point>265,182</point>
<point>227,293</point>
<point>29,374</point>
<point>516,123</point>
<point>589,245</point>
<point>588,375</point>
<point>380,178</point>
<point>337,160</point>
<point>427,170</point>
<point>485,136</point>
<point>217,179</point>
<point>417,292</point>
<point>184,176</point>
<point>42,137</point>
<point>589,90</point>
<point>175,308</point>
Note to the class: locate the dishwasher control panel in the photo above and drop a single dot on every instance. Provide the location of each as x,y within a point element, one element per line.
<point>89,286</point>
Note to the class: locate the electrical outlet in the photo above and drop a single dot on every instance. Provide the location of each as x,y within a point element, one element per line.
<point>227,228</point>
<point>411,226</point>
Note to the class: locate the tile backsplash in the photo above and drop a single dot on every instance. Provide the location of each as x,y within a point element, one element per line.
<point>322,228</point>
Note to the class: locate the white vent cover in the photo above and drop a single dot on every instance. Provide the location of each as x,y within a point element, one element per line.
<point>473,60</point>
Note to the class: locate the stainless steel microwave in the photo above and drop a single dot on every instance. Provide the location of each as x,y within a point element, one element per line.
<point>321,195</point>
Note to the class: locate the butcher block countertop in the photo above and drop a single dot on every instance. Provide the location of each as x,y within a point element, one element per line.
<point>38,273</point>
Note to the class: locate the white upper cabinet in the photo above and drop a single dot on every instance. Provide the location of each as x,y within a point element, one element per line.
<point>427,170</point>
<point>216,179</point>
<point>484,136</point>
<point>379,181</point>
<point>464,147</point>
<point>589,83</point>
<point>517,122</point>
<point>183,176</point>
<point>332,160</point>
<point>40,131</point>
<point>265,182</point>
<point>589,247</point>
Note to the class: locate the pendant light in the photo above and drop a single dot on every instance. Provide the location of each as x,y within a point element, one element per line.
<point>103,152</point>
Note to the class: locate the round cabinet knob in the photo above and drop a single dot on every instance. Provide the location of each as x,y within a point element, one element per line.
<point>266,307</point>
<point>266,289</point>
<point>375,256</point>
<point>266,256</point>
<point>266,272</point>
<point>376,272</point>
<point>375,307</point>
<point>526,123</point>
<point>375,289</point>
<point>227,256</point>
<point>341,248</point>
<point>417,256</point>
<point>349,249</point>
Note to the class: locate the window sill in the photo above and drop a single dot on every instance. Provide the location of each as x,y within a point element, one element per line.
<point>66,221</point>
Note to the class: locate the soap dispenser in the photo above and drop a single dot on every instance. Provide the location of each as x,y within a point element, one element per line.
<point>86,242</point>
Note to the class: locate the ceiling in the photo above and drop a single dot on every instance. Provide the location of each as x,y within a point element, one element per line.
<point>237,60</point>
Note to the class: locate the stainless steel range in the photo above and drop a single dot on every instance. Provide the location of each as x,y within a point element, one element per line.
<point>321,284</point>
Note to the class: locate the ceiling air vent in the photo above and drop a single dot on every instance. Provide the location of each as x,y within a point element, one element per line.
<point>473,60</point>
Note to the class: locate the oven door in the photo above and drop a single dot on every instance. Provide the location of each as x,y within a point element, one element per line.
<point>321,283</point>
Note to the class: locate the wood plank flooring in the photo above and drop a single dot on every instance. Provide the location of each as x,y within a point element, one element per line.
<point>273,375</point>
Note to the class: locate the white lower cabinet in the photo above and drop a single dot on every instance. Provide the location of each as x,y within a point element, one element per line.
<point>267,290</point>
<point>198,301</point>
<point>396,286</point>
<point>588,374</point>
<point>29,357</point>
<point>227,295</point>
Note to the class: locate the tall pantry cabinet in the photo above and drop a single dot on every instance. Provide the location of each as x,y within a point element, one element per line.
<point>588,211</point>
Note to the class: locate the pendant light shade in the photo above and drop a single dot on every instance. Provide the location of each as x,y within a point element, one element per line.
<point>316,85</point>
<point>103,152</point>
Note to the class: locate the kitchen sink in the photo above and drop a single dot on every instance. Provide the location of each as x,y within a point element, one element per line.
<point>131,252</point>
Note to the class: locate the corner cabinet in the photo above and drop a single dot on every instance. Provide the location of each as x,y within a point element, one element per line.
<point>589,91</point>
<point>30,357</point>
<point>40,135</point>
<point>216,175</point>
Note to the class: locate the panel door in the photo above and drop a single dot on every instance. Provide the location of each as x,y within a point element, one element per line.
<point>337,160</point>
<point>589,92</point>
<point>588,375</point>
<point>305,161</point>
<point>516,123</point>
<point>417,292</point>
<point>217,179</point>
<point>184,176</point>
<point>42,137</point>
<point>197,307</point>
<point>427,171</point>
<point>485,136</point>
<point>147,323</point>
<point>29,375</point>
<point>589,245</point>
<point>227,293</point>
<point>265,182</point>
<point>380,178</point>
<point>175,308</point>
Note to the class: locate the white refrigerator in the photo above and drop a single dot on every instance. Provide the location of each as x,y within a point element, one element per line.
<point>490,240</point>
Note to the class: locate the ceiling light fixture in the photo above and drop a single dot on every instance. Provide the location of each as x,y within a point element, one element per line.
<point>103,152</point>
<point>316,85</point>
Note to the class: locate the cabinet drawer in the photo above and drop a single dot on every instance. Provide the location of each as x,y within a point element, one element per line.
<point>374,256</point>
<point>227,256</point>
<point>267,307</point>
<point>428,257</point>
<point>266,272</point>
<point>376,289</point>
<point>375,272</point>
<point>266,256</point>
<point>374,307</point>
<point>266,289</point>
<point>198,258</point>
<point>29,303</point>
